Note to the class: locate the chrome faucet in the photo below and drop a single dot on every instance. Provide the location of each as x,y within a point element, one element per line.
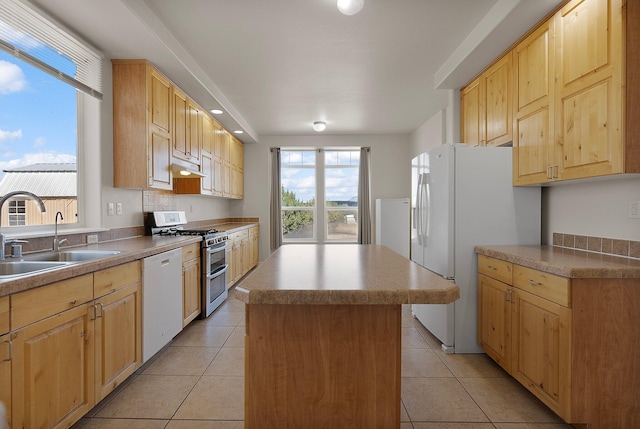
<point>56,242</point>
<point>5,198</point>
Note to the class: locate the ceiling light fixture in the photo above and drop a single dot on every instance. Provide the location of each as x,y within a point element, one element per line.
<point>217,111</point>
<point>238,132</point>
<point>319,126</point>
<point>350,7</point>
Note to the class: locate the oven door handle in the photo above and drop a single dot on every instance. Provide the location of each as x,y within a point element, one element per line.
<point>217,272</point>
<point>217,247</point>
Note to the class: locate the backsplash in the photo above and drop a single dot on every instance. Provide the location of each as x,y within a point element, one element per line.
<point>610,246</point>
<point>153,200</point>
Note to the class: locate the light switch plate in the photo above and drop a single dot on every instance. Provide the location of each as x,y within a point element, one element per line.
<point>110,209</point>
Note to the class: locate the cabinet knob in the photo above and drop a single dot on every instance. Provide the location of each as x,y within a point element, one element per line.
<point>534,283</point>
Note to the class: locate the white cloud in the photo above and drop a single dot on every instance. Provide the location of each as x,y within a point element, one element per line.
<point>18,38</point>
<point>37,158</point>
<point>10,135</point>
<point>40,141</point>
<point>12,78</point>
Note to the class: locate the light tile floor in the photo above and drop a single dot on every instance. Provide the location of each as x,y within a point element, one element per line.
<point>197,382</point>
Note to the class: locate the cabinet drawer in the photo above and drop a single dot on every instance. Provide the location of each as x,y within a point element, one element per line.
<point>544,285</point>
<point>239,235</point>
<point>112,279</point>
<point>496,268</point>
<point>190,251</point>
<point>37,304</point>
<point>4,315</point>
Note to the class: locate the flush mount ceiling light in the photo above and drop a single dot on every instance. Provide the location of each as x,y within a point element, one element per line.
<point>319,126</point>
<point>350,7</point>
<point>217,111</point>
<point>238,132</point>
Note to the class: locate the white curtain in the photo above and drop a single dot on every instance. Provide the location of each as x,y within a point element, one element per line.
<point>275,222</point>
<point>364,197</point>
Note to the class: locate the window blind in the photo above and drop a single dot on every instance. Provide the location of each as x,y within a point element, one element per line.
<point>34,38</point>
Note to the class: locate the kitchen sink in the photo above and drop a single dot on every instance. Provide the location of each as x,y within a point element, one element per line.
<point>78,255</point>
<point>17,268</point>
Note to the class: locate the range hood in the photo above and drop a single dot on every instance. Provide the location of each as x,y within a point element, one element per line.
<point>185,172</point>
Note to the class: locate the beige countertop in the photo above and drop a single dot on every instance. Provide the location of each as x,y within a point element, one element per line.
<point>343,274</point>
<point>131,249</point>
<point>571,263</point>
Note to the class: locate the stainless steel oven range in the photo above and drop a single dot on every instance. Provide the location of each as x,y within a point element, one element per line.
<point>213,256</point>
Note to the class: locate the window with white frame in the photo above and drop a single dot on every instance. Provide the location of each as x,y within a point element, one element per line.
<point>319,195</point>
<point>47,76</point>
<point>17,213</point>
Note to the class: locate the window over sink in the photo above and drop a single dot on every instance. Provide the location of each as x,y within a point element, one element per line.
<point>50,87</point>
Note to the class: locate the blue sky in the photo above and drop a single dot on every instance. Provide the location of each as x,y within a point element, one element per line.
<point>341,184</point>
<point>37,116</point>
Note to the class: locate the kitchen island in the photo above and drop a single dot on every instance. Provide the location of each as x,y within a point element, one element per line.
<point>323,335</point>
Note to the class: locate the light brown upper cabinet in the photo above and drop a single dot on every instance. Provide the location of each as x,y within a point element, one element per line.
<point>532,117</point>
<point>472,114</point>
<point>187,133</point>
<point>575,98</point>
<point>142,121</point>
<point>486,106</point>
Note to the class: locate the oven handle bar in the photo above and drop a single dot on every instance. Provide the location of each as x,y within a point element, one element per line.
<point>216,247</point>
<point>217,272</point>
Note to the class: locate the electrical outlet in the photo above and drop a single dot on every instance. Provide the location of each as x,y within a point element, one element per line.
<point>118,208</point>
<point>92,239</point>
<point>633,210</point>
<point>110,209</point>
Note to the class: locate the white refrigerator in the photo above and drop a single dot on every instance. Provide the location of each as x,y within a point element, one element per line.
<point>392,224</point>
<point>462,197</point>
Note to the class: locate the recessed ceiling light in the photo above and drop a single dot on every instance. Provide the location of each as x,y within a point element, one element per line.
<point>217,111</point>
<point>319,126</point>
<point>350,7</point>
<point>238,132</point>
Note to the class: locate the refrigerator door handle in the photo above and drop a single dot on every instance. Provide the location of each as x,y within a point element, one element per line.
<point>425,208</point>
<point>418,210</point>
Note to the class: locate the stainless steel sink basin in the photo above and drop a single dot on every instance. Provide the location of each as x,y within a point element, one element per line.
<point>77,255</point>
<point>17,268</point>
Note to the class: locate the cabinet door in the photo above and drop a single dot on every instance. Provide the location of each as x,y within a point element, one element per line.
<point>159,92</point>
<point>498,98</point>
<point>195,133</point>
<point>180,124</point>
<point>160,161</point>
<point>190,291</point>
<point>472,114</point>
<point>53,370</point>
<point>6,352</point>
<point>494,320</point>
<point>118,336</point>
<point>589,88</point>
<point>542,350</point>
<point>533,123</point>
<point>207,167</point>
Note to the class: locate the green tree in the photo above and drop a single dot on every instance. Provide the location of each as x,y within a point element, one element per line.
<point>293,220</point>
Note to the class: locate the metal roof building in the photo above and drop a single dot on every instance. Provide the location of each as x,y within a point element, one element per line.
<point>46,180</point>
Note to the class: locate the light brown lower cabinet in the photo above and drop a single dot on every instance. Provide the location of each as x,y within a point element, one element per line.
<point>243,253</point>
<point>574,343</point>
<point>191,301</point>
<point>117,312</point>
<point>52,370</point>
<point>68,350</point>
<point>5,374</point>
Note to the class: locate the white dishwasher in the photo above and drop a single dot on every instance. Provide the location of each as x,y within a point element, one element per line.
<point>161,300</point>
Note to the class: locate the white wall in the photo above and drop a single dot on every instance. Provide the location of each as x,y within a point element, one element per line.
<point>597,208</point>
<point>390,171</point>
<point>429,135</point>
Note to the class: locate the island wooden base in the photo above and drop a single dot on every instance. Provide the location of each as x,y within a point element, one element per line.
<point>322,366</point>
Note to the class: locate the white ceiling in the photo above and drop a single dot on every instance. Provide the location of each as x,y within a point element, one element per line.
<point>276,66</point>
